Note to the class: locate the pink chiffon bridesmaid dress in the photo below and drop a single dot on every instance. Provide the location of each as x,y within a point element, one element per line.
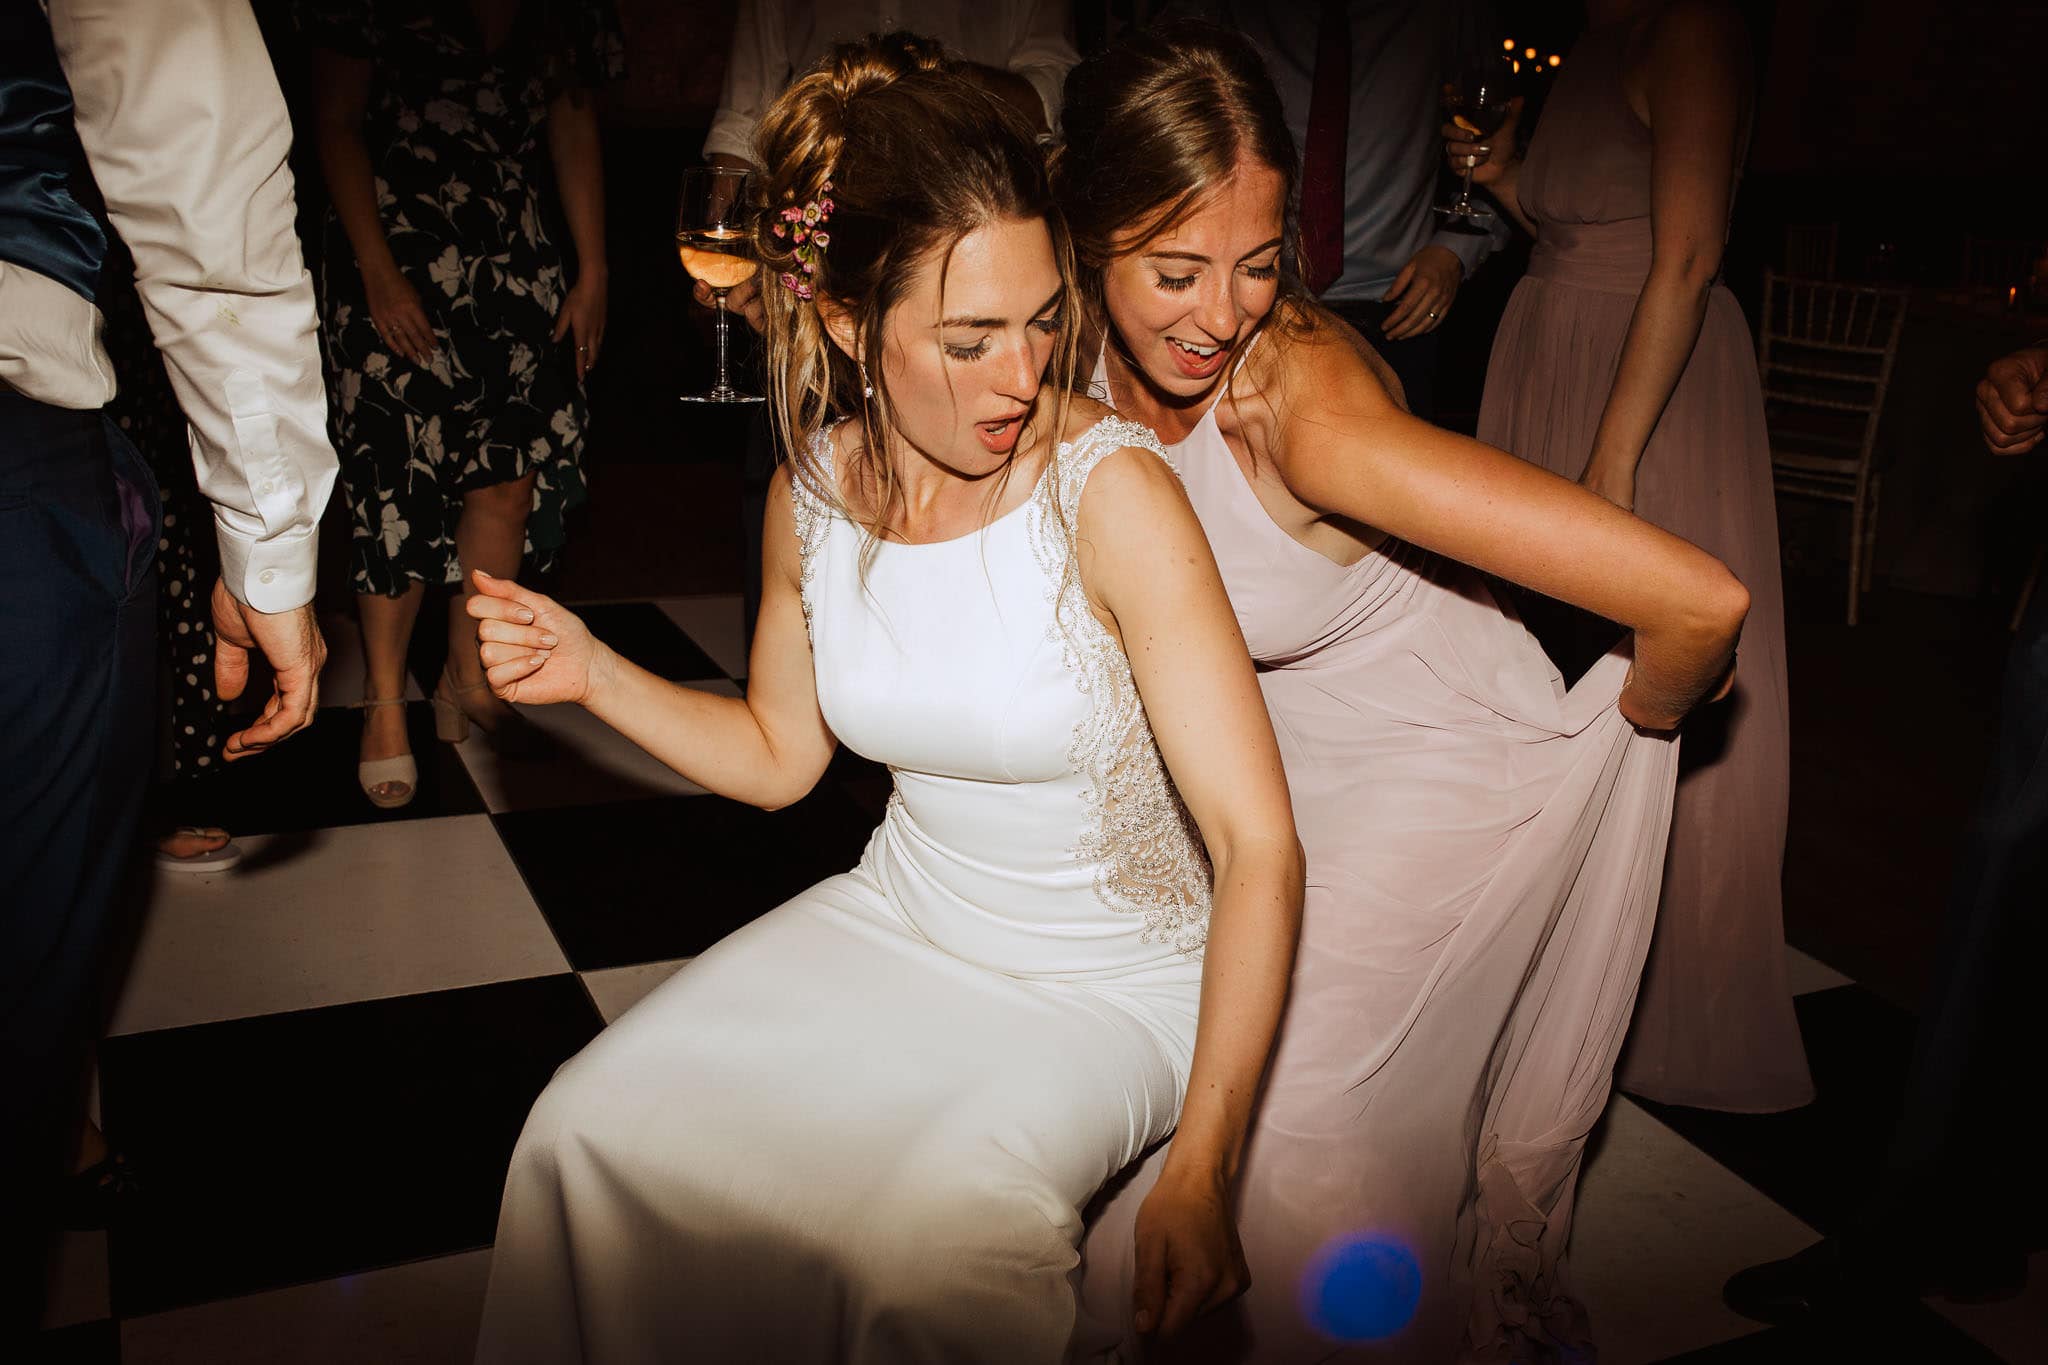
<point>1715,1026</point>
<point>1484,847</point>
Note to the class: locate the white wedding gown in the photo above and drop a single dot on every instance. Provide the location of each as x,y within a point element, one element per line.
<point>863,1128</point>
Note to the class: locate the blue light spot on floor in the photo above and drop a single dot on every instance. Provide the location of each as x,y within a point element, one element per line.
<point>1362,1287</point>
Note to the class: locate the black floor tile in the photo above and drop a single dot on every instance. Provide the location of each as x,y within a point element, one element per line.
<point>87,1343</point>
<point>1818,1161</point>
<point>642,633</point>
<point>1904,1331</point>
<point>309,781</point>
<point>300,1146</point>
<point>640,881</point>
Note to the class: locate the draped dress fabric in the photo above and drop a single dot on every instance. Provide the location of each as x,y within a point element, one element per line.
<point>1715,1025</point>
<point>863,1128</point>
<point>1483,848</point>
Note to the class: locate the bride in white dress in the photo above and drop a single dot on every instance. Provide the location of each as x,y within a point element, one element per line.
<point>864,1127</point>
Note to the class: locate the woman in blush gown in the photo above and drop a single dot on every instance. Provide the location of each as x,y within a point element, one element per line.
<point>863,1127</point>
<point>1483,844</point>
<point>1624,363</point>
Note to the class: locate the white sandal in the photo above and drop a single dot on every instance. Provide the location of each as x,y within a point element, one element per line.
<point>401,771</point>
<point>208,860</point>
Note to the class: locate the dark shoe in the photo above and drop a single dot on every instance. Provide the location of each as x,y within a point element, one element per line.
<point>97,1196</point>
<point>1813,1283</point>
<point>1833,1279</point>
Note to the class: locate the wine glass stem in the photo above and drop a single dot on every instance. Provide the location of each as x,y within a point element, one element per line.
<point>723,384</point>
<point>1465,192</point>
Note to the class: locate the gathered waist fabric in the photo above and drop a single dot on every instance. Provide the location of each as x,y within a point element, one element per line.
<point>1612,258</point>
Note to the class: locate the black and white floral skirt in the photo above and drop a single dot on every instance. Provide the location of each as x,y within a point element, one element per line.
<point>500,400</point>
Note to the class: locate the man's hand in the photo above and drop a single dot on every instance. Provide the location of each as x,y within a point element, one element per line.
<point>1423,292</point>
<point>290,641</point>
<point>743,298</point>
<point>2012,401</point>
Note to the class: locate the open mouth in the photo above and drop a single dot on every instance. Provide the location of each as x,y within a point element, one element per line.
<point>1194,359</point>
<point>1000,435</point>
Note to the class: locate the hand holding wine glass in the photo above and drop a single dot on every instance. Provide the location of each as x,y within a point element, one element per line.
<point>1478,100</point>
<point>1484,159</point>
<point>713,239</point>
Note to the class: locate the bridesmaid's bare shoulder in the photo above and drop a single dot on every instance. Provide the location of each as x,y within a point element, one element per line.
<point>1687,41</point>
<point>1309,369</point>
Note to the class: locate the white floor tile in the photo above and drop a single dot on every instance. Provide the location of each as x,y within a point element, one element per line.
<point>2016,1329</point>
<point>421,1313</point>
<point>1659,1227</point>
<point>76,1281</point>
<point>583,762</point>
<point>1809,974</point>
<point>336,915</point>
<point>716,623</point>
<point>618,989</point>
<point>341,681</point>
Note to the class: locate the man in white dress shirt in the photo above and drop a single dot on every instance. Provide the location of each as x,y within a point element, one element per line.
<point>178,113</point>
<point>1396,272</point>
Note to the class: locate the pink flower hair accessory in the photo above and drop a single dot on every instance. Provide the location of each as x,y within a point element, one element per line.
<point>805,228</point>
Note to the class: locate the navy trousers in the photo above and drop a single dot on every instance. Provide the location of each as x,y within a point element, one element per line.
<point>78,531</point>
<point>1956,1177</point>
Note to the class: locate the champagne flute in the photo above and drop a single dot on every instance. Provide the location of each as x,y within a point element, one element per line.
<point>1476,99</point>
<point>713,238</point>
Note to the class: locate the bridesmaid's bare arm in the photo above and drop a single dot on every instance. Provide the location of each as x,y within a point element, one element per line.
<point>1695,81</point>
<point>1345,448</point>
<point>1148,572</point>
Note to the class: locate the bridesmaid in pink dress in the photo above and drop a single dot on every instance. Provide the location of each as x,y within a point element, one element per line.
<point>1623,363</point>
<point>1483,845</point>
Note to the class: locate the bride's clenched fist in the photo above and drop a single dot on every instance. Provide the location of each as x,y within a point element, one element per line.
<point>534,650</point>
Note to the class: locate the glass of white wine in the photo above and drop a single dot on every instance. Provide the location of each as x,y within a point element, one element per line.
<point>713,237</point>
<point>1477,98</point>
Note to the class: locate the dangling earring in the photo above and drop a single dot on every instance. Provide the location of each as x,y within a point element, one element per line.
<point>867,390</point>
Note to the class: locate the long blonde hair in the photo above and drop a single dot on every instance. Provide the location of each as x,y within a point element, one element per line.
<point>1153,125</point>
<point>918,156</point>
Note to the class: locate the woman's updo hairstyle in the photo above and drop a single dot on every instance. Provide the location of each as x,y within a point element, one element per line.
<point>1153,124</point>
<point>917,156</point>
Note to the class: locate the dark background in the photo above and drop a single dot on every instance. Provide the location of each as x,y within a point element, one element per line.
<point>1908,122</point>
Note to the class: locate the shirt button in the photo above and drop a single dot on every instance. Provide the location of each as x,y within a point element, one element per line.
<point>265,488</point>
<point>267,576</point>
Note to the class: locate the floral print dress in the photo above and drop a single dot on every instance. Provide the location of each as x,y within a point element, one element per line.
<point>454,133</point>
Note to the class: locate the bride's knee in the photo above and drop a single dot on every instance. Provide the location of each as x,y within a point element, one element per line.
<point>577,1111</point>
<point>929,1252</point>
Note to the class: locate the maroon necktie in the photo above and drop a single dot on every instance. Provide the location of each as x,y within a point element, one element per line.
<point>1322,166</point>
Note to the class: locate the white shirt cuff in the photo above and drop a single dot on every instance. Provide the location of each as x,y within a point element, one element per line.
<point>268,575</point>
